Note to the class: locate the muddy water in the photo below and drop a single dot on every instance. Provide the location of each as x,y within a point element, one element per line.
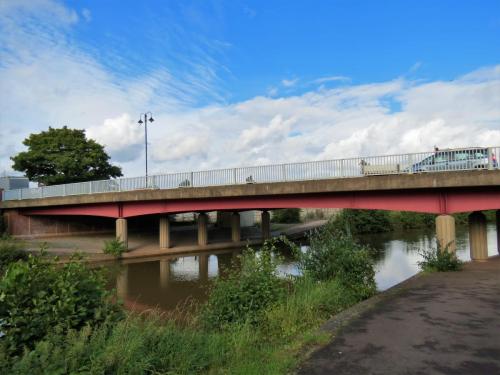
<point>168,281</point>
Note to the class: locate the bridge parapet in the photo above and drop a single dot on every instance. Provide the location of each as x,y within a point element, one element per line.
<point>464,159</point>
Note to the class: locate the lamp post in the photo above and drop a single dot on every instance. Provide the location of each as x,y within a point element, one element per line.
<point>145,122</point>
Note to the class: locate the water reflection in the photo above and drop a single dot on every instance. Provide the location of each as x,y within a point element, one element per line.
<point>168,281</point>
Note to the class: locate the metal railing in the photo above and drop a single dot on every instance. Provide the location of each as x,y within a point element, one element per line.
<point>434,161</point>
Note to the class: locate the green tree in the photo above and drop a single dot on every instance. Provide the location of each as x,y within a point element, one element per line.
<point>59,156</point>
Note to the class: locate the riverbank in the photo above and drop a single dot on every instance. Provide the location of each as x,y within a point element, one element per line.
<point>439,323</point>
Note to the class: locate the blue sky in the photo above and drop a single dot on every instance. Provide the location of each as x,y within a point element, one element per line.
<point>251,82</point>
<point>255,45</point>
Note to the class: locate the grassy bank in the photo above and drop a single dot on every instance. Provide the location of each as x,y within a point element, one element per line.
<point>255,322</point>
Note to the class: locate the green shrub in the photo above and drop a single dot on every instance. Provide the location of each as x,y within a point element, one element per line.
<point>244,293</point>
<point>36,295</point>
<point>286,216</point>
<point>334,254</point>
<point>114,247</point>
<point>362,221</point>
<point>412,220</point>
<point>10,251</point>
<point>439,260</point>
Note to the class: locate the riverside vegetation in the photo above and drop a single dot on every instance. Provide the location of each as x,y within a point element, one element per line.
<point>59,319</point>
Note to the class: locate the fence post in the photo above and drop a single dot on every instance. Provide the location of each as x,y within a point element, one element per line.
<point>410,163</point>
<point>191,177</point>
<point>283,171</point>
<point>234,176</point>
<point>90,187</point>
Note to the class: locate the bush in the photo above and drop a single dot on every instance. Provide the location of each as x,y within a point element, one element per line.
<point>412,220</point>
<point>286,216</point>
<point>245,293</point>
<point>362,221</point>
<point>114,247</point>
<point>334,254</point>
<point>10,251</point>
<point>439,260</point>
<point>36,295</point>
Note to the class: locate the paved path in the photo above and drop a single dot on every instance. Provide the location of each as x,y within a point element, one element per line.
<point>441,323</point>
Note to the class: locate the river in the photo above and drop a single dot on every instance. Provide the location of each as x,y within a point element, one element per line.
<point>169,281</point>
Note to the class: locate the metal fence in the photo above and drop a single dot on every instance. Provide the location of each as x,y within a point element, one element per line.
<point>435,161</point>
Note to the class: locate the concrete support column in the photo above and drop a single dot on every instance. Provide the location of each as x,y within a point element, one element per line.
<point>498,231</point>
<point>203,267</point>
<point>164,273</point>
<point>235,227</point>
<point>445,233</point>
<point>122,231</point>
<point>202,229</point>
<point>477,236</point>
<point>164,232</point>
<point>266,225</point>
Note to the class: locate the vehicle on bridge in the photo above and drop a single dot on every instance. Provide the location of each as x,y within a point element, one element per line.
<point>454,159</point>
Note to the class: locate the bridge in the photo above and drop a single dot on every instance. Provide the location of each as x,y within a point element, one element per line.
<point>440,182</point>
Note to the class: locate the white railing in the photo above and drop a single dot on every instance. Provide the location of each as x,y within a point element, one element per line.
<point>434,161</point>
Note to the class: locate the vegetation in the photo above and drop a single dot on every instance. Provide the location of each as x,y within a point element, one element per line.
<point>114,247</point>
<point>334,254</point>
<point>59,156</point>
<point>37,294</point>
<point>10,251</point>
<point>412,220</point>
<point>265,319</point>
<point>439,260</point>
<point>286,216</point>
<point>362,221</point>
<point>246,291</point>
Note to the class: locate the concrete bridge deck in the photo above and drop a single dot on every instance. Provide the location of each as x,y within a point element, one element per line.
<point>440,323</point>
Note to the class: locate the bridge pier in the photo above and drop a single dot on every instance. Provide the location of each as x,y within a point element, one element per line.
<point>498,230</point>
<point>235,227</point>
<point>122,231</point>
<point>445,233</point>
<point>202,229</point>
<point>266,225</point>
<point>164,232</point>
<point>477,236</point>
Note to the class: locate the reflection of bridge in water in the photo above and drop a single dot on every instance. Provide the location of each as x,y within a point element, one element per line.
<point>140,283</point>
<point>390,183</point>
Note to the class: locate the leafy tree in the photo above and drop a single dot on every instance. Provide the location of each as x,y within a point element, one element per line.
<point>59,156</point>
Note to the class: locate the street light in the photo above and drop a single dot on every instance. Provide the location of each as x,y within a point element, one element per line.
<point>145,122</point>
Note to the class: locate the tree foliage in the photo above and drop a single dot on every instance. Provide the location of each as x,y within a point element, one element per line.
<point>59,156</point>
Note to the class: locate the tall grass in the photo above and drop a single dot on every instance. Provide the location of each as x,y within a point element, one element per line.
<point>277,318</point>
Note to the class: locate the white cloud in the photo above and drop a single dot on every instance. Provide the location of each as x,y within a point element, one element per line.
<point>121,136</point>
<point>289,82</point>
<point>331,79</point>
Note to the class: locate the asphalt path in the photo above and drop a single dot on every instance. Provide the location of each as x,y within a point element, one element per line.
<point>439,323</point>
